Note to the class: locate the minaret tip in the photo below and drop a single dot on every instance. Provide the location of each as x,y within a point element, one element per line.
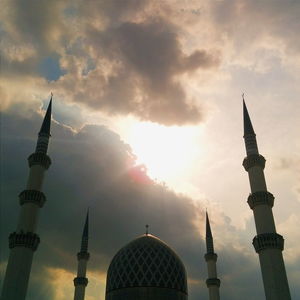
<point>208,229</point>
<point>85,234</point>
<point>209,237</point>
<point>45,128</point>
<point>86,225</point>
<point>248,128</point>
<point>249,134</point>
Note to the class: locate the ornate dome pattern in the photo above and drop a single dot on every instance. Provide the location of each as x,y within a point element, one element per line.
<point>146,262</point>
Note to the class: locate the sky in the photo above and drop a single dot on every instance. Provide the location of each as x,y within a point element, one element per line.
<point>147,129</point>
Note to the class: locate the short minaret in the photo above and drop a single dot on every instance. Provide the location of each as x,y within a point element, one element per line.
<point>80,282</point>
<point>24,241</point>
<point>213,283</point>
<point>267,243</point>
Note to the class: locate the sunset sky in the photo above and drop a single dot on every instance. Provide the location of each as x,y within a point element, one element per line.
<point>147,128</point>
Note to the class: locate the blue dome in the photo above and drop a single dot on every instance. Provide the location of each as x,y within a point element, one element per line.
<point>146,262</point>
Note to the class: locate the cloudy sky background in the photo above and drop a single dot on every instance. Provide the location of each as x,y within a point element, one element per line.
<point>157,83</point>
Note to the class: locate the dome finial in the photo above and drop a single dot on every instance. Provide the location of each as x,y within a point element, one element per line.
<point>147,229</point>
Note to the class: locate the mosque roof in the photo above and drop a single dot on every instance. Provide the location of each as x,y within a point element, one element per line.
<point>146,262</point>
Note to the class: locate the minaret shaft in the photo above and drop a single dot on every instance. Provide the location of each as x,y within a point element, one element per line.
<point>81,269</point>
<point>28,218</point>
<point>214,293</point>
<point>79,292</point>
<point>36,178</point>
<point>268,244</point>
<point>80,281</point>
<point>24,241</point>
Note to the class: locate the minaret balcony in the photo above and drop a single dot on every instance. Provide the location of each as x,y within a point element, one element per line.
<point>268,241</point>
<point>32,196</point>
<point>213,282</point>
<point>21,239</point>
<point>80,281</point>
<point>38,158</point>
<point>254,160</point>
<point>260,198</point>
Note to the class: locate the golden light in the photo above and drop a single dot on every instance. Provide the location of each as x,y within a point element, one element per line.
<point>167,152</point>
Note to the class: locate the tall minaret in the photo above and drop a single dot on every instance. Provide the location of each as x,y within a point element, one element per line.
<point>24,241</point>
<point>83,256</point>
<point>268,244</point>
<point>213,283</point>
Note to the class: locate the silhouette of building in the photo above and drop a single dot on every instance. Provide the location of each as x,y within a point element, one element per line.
<point>268,243</point>
<point>212,282</point>
<point>24,241</point>
<point>146,268</point>
<point>80,282</point>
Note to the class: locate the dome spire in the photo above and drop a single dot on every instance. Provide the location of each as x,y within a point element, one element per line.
<point>45,128</point>
<point>147,229</point>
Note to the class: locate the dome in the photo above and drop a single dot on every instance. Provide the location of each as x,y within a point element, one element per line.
<point>146,262</point>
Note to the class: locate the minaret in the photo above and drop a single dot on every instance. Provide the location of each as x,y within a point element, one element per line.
<point>267,243</point>
<point>80,282</point>
<point>213,283</point>
<point>24,241</point>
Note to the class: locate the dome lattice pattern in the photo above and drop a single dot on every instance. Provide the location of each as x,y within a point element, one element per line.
<point>146,262</point>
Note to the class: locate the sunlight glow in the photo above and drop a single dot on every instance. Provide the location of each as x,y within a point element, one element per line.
<point>167,152</point>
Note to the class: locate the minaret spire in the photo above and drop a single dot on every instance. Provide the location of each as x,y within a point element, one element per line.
<point>44,134</point>
<point>24,241</point>
<point>85,235</point>
<point>213,283</point>
<point>249,134</point>
<point>45,128</point>
<point>209,238</point>
<point>248,128</point>
<point>267,243</point>
<point>80,282</point>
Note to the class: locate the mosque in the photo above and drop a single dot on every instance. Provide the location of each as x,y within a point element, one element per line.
<point>146,268</point>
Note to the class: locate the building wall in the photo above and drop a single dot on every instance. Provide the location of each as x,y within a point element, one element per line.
<point>146,293</point>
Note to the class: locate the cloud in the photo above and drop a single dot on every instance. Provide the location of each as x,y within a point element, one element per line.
<point>130,62</point>
<point>133,57</point>
<point>252,26</point>
<point>138,72</point>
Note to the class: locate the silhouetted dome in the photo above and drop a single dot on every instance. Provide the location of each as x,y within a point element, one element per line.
<point>146,262</point>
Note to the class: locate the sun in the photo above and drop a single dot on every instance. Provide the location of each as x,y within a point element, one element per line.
<point>166,152</point>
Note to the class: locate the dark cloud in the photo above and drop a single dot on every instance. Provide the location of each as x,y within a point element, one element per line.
<point>145,82</point>
<point>38,23</point>
<point>95,168</point>
<point>130,57</point>
<point>119,57</point>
